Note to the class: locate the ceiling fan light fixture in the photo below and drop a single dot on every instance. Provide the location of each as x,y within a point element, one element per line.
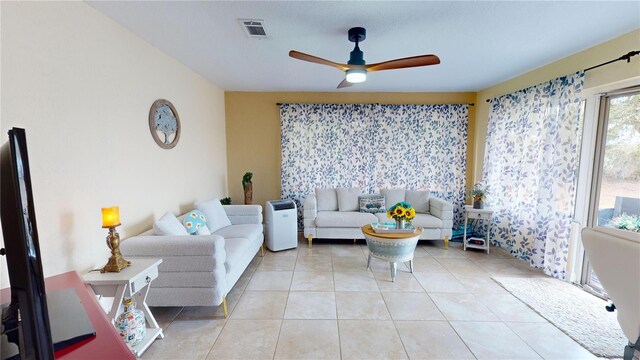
<point>355,76</point>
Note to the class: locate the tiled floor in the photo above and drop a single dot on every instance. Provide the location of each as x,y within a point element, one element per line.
<point>322,303</point>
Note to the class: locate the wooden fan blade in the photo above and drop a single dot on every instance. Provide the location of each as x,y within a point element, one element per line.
<point>414,61</point>
<point>314,59</point>
<point>344,84</point>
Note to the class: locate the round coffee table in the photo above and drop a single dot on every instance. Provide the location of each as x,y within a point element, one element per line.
<point>391,247</point>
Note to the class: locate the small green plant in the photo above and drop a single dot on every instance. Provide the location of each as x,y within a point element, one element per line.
<point>627,222</point>
<point>478,192</point>
<point>246,179</point>
<point>225,201</point>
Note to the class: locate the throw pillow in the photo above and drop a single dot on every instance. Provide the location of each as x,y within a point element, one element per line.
<point>348,199</point>
<point>193,221</point>
<point>372,204</point>
<point>214,212</point>
<point>392,196</point>
<point>327,199</point>
<point>168,225</point>
<point>419,200</point>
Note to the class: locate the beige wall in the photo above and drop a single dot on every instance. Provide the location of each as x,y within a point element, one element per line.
<point>598,54</point>
<point>253,131</point>
<point>82,86</point>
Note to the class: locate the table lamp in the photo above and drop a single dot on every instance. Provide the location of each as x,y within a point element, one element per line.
<point>111,219</point>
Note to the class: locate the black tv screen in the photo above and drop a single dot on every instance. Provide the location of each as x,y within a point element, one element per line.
<point>22,248</point>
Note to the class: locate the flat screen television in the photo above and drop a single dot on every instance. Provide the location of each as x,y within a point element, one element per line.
<point>28,296</point>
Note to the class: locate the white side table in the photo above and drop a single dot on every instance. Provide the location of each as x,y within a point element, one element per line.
<point>478,214</point>
<point>132,282</point>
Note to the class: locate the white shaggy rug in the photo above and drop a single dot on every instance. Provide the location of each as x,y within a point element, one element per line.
<point>575,312</point>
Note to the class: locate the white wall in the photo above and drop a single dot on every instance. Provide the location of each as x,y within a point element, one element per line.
<point>82,85</point>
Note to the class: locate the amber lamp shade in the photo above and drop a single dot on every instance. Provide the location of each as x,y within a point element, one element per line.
<point>110,217</point>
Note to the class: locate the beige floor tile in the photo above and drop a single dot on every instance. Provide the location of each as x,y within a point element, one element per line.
<point>277,263</point>
<point>460,266</point>
<point>370,339</point>
<point>261,305</point>
<point>432,340</point>
<point>438,252</point>
<point>318,249</point>
<point>549,342</point>
<point>499,267</point>
<point>312,281</point>
<point>242,282</point>
<point>314,263</point>
<point>405,282</point>
<point>253,265</point>
<point>411,306</point>
<point>186,339</point>
<point>493,340</point>
<point>247,339</point>
<point>424,264</point>
<point>361,306</point>
<point>308,339</point>
<point>440,282</point>
<point>348,249</point>
<point>355,281</point>
<point>165,313</point>
<point>508,308</point>
<point>421,252</point>
<point>478,284</point>
<point>462,306</point>
<point>270,280</point>
<point>311,305</point>
<point>349,263</point>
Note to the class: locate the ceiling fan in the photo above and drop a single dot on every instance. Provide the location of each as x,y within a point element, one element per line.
<point>356,68</point>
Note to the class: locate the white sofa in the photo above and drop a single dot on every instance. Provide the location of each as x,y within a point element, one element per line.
<point>615,255</point>
<point>332,214</point>
<point>200,270</point>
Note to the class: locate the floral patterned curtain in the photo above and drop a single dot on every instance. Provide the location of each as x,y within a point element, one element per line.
<point>530,169</point>
<point>374,146</point>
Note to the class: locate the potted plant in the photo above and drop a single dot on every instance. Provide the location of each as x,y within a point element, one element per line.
<point>627,222</point>
<point>478,192</point>
<point>402,213</point>
<point>247,186</point>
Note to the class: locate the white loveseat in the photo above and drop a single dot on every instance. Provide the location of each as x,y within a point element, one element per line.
<point>335,213</point>
<point>200,270</point>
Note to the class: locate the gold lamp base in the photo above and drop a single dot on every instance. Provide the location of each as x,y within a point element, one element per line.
<point>115,264</point>
<point>116,261</point>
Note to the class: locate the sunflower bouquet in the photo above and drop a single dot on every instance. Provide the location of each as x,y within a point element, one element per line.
<point>402,211</point>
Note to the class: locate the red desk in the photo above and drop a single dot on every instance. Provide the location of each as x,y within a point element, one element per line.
<point>107,344</point>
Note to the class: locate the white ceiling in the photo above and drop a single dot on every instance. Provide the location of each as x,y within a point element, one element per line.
<point>480,43</point>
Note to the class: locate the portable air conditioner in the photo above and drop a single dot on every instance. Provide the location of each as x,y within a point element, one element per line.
<point>281,224</point>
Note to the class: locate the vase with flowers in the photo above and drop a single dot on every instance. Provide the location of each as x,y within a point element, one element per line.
<point>402,213</point>
<point>478,192</point>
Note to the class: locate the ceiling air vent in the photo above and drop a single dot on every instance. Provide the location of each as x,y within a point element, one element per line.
<point>254,28</point>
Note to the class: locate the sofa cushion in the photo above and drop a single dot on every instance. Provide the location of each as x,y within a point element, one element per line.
<point>249,231</point>
<point>216,216</point>
<point>235,248</point>
<point>372,204</point>
<point>392,196</point>
<point>426,221</point>
<point>348,199</point>
<point>419,200</point>
<point>168,224</point>
<point>344,219</point>
<point>327,199</point>
<point>196,223</point>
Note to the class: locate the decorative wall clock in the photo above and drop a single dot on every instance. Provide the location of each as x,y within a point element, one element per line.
<point>164,124</point>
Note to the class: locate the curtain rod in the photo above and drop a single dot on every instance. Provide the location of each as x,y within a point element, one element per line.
<point>626,56</point>
<point>470,104</point>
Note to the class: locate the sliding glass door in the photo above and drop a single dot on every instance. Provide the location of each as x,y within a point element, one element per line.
<point>615,189</point>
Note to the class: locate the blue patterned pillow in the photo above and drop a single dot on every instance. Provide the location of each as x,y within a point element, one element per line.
<point>372,204</point>
<point>195,222</point>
